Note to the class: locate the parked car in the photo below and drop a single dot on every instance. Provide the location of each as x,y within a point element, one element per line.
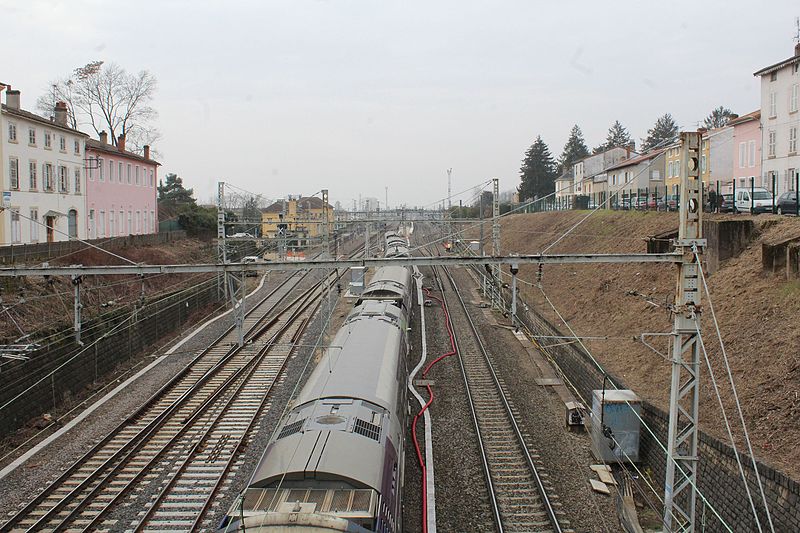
<point>787,203</point>
<point>725,203</point>
<point>669,202</point>
<point>761,201</point>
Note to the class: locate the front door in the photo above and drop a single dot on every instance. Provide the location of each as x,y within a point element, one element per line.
<point>51,223</point>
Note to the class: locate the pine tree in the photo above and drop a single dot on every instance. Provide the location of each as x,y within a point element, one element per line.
<point>664,131</point>
<point>617,136</point>
<point>719,117</point>
<point>538,172</point>
<point>574,150</point>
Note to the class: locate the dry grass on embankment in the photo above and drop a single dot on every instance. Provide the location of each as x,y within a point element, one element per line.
<point>758,313</point>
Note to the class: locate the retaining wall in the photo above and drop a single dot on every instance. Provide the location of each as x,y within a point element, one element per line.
<point>43,251</point>
<point>718,475</point>
<point>63,368</point>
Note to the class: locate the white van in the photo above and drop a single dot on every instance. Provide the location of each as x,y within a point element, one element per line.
<point>761,201</point>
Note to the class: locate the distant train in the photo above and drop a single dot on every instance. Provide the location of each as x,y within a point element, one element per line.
<point>336,461</point>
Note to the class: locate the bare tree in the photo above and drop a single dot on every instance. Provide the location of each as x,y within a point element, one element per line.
<point>107,98</point>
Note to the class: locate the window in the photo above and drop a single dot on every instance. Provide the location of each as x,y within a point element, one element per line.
<point>121,222</point>
<point>13,172</point>
<point>110,171</point>
<point>742,155</point>
<point>771,143</point>
<point>152,221</point>
<point>111,223</point>
<point>703,163</point>
<point>151,178</point>
<point>63,179</point>
<point>32,136</point>
<point>793,98</point>
<point>62,143</point>
<point>12,132</point>
<point>138,222</point>
<point>130,220</point>
<point>48,140</point>
<point>34,224</point>
<point>793,140</point>
<point>77,144</point>
<point>773,76</point>
<point>47,175</point>
<point>16,229</point>
<point>773,104</point>
<point>129,173</point>
<point>669,169</point>
<point>32,174</point>
<point>137,174</point>
<point>77,180</point>
<point>101,226</point>
<point>751,146</point>
<point>100,163</point>
<point>119,172</point>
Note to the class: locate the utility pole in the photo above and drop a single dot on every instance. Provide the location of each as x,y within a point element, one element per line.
<point>78,306</point>
<point>680,486</point>
<point>326,247</point>
<point>449,188</point>
<point>496,234</point>
<point>386,200</point>
<point>222,255</point>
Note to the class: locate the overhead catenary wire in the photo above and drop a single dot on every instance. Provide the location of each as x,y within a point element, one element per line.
<point>641,420</point>
<point>735,393</point>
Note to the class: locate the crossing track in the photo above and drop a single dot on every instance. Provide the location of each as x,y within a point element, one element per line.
<point>520,495</point>
<point>161,468</point>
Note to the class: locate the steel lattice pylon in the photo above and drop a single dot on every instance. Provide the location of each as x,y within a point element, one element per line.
<point>680,486</point>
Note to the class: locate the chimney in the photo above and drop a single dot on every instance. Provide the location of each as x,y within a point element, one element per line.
<point>146,148</point>
<point>104,137</point>
<point>121,143</point>
<point>12,98</point>
<point>61,114</point>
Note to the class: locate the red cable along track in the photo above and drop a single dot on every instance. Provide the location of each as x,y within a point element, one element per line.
<point>430,401</point>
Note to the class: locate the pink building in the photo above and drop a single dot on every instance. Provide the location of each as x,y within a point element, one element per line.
<point>121,190</point>
<point>746,151</point>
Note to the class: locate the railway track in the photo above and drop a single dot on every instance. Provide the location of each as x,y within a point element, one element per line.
<point>161,468</point>
<point>520,495</point>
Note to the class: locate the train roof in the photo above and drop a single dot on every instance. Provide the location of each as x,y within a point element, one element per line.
<point>362,359</point>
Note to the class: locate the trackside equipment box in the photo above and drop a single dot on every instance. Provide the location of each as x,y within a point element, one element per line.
<point>615,425</point>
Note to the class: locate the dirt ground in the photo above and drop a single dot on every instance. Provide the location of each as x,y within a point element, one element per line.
<point>36,306</point>
<point>757,313</point>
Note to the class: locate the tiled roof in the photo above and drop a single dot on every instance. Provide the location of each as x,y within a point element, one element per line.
<point>755,115</point>
<point>106,148</point>
<point>36,118</point>
<point>777,66</point>
<point>306,202</point>
<point>636,160</point>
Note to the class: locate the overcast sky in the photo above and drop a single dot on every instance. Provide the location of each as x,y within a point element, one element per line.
<point>292,97</point>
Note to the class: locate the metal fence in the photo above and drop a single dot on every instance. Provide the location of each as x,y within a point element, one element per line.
<point>718,196</point>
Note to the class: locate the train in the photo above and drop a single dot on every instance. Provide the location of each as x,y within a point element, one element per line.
<point>335,463</point>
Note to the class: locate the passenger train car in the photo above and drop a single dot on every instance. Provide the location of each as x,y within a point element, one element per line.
<point>335,463</point>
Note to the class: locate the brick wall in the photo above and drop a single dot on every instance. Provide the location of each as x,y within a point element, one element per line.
<point>63,368</point>
<point>718,475</point>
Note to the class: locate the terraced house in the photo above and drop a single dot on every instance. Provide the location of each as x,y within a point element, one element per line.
<point>121,190</point>
<point>43,175</point>
<point>780,122</point>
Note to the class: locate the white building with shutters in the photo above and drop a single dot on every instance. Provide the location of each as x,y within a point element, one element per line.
<point>780,122</point>
<point>43,173</point>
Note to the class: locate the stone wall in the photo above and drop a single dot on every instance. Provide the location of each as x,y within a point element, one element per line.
<point>44,251</point>
<point>62,368</point>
